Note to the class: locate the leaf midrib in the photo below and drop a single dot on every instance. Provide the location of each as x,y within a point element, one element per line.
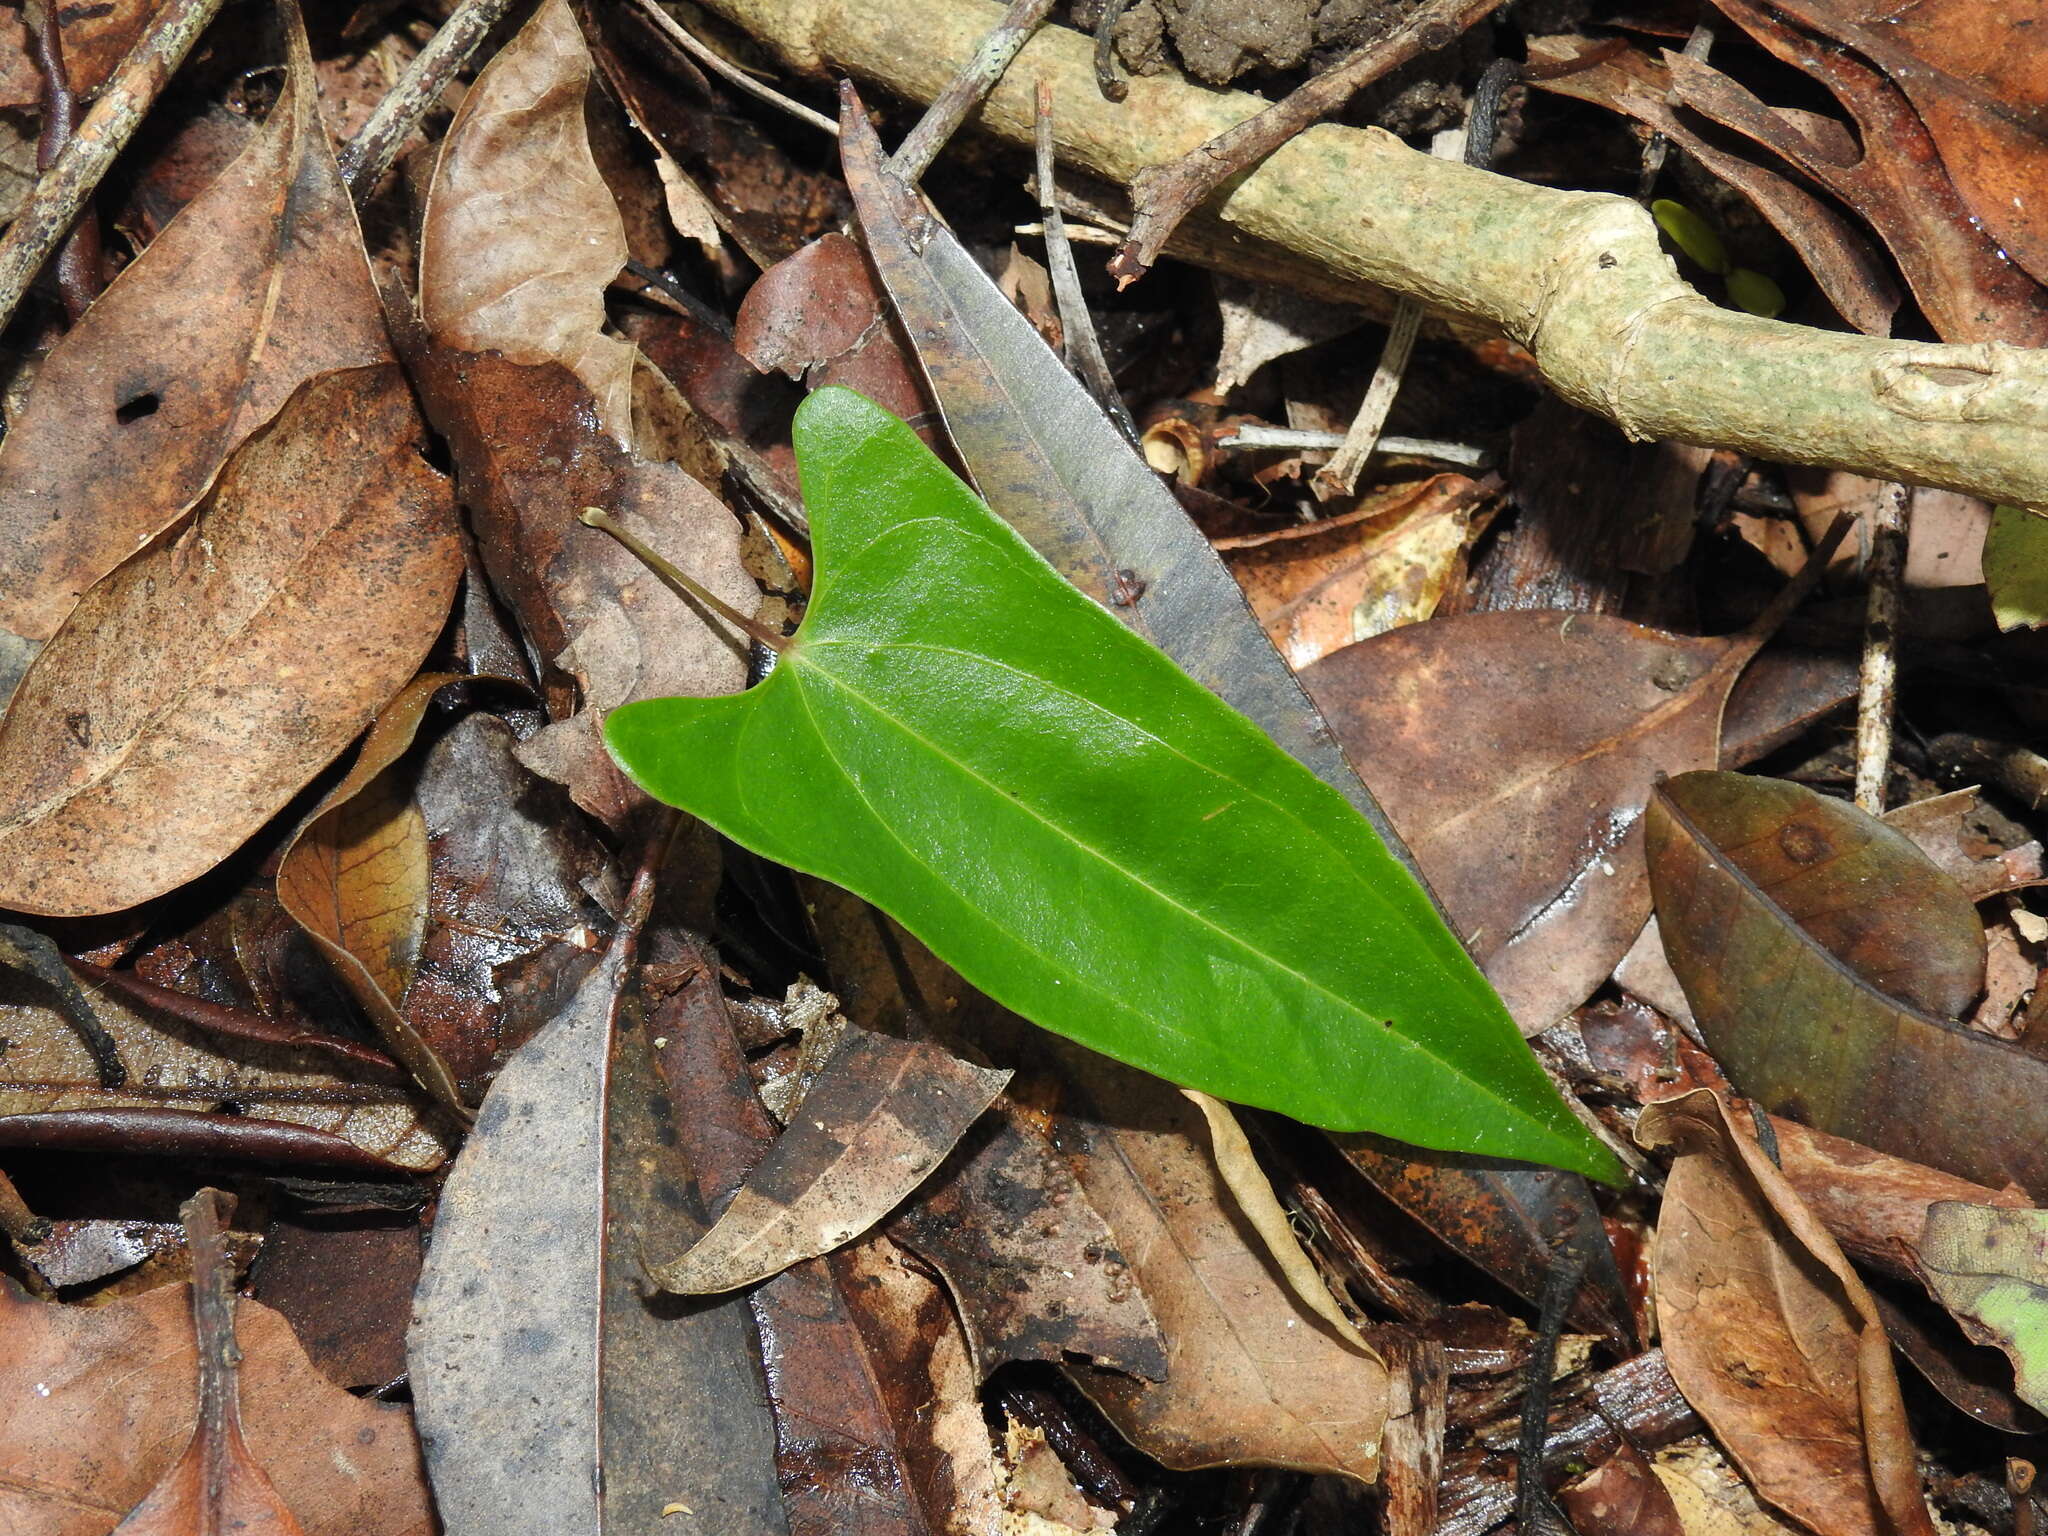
<point>1404,1040</point>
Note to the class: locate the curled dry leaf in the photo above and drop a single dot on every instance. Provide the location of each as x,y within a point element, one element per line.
<point>1515,752</point>
<point>258,286</point>
<point>1828,1006</point>
<point>521,235</point>
<point>1252,1375</point>
<point>97,1402</point>
<point>173,1067</point>
<point>1989,1267</point>
<point>299,598</point>
<point>1238,1166</point>
<point>356,877</point>
<point>1320,586</point>
<point>1773,1338</point>
<point>882,1115</point>
<point>216,1485</point>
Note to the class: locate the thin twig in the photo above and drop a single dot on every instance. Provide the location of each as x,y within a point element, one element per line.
<point>53,204</point>
<point>965,90</point>
<point>80,275</point>
<point>1253,434</point>
<point>684,585</point>
<point>1164,195</point>
<point>1082,346</point>
<point>1340,476</point>
<point>22,1225</point>
<point>1657,146</point>
<point>1878,696</point>
<point>730,72</point>
<point>1109,71</point>
<point>367,156</point>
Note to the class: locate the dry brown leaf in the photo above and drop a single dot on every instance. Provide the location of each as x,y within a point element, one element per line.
<point>259,285</point>
<point>521,235</point>
<point>95,1404</point>
<point>882,1115</point>
<point>1238,1166</point>
<point>173,1066</point>
<point>1515,752</point>
<point>1321,586</point>
<point>197,688</point>
<point>529,459</point>
<point>216,1485</point>
<point>357,876</point>
<point>1772,1336</point>
<point>1252,1376</point>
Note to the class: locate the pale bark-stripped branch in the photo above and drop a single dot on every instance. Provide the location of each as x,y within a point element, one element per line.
<point>1877,695</point>
<point>1578,277</point>
<point>53,204</point>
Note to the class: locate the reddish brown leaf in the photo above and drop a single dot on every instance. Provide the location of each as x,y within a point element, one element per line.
<point>258,287</point>
<point>215,1485</point>
<point>1773,1338</point>
<point>1621,1497</point>
<point>1514,752</point>
<point>1797,1017</point>
<point>344,1280</point>
<point>299,597</point>
<point>96,1404</point>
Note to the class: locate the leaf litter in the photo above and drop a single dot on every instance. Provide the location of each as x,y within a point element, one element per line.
<point>273,810</point>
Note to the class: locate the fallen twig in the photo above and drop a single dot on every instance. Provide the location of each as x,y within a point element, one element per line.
<point>1577,277</point>
<point>1877,698</point>
<point>674,31</point>
<point>53,204</point>
<point>1110,78</point>
<point>975,80</point>
<point>1164,195</point>
<point>1077,330</point>
<point>366,157</point>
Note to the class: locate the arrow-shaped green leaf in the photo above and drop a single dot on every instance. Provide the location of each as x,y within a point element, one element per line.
<point>963,739</point>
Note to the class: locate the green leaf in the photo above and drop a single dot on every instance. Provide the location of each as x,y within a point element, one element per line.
<point>2016,566</point>
<point>1691,234</point>
<point>1087,835</point>
<point>1756,293</point>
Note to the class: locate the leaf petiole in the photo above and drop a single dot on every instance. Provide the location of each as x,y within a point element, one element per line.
<point>681,583</point>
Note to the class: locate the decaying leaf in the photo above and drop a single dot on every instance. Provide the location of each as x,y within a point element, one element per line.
<point>932,622</point>
<point>299,597</point>
<point>512,1290</point>
<point>216,1485</point>
<point>882,1115</point>
<point>1515,752</point>
<point>1786,915</point>
<point>258,286</point>
<point>1773,1338</point>
<point>1320,586</point>
<point>1034,1271</point>
<point>1989,1267</point>
<point>2016,566</point>
<point>521,235</point>
<point>1252,1375</point>
<point>96,1404</point>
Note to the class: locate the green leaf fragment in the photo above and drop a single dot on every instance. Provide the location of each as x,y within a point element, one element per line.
<point>1989,1266</point>
<point>1756,293</point>
<point>2016,566</point>
<point>963,739</point>
<point>1691,234</point>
